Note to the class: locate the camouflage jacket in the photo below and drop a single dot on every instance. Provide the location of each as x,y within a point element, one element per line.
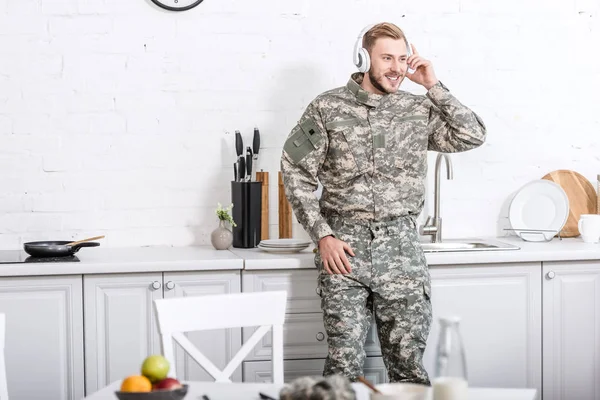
<point>369,152</point>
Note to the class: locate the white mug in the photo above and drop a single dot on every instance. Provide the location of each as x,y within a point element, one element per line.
<point>589,227</point>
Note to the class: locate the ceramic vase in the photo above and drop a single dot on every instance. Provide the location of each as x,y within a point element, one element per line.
<point>221,238</point>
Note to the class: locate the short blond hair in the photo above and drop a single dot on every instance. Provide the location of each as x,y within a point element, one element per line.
<point>384,29</point>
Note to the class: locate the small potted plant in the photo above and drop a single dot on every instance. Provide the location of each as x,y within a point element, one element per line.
<point>222,238</point>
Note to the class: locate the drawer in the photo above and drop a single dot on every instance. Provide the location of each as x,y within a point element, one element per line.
<point>303,337</point>
<point>301,287</point>
<point>260,371</point>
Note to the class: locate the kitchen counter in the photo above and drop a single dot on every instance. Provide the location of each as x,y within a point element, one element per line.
<point>205,258</point>
<point>571,249</point>
<point>136,259</point>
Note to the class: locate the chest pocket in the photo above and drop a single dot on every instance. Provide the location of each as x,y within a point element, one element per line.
<point>350,147</point>
<point>409,140</point>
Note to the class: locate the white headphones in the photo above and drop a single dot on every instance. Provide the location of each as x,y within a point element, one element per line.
<point>361,55</point>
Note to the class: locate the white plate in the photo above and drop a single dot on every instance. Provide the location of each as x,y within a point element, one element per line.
<point>284,243</point>
<point>282,249</point>
<point>539,205</point>
<point>286,247</point>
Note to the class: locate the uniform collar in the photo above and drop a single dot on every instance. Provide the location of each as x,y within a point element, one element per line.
<point>362,96</point>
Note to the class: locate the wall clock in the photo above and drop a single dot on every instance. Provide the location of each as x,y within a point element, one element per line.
<point>177,5</point>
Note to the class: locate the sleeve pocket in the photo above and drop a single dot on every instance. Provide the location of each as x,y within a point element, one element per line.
<point>305,138</point>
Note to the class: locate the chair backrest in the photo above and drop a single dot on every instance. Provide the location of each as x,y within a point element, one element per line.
<point>187,314</point>
<point>3,385</point>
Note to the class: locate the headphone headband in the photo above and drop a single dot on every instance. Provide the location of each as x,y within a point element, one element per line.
<point>361,56</point>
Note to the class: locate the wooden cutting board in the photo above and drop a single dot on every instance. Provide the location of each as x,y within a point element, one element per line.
<point>285,212</point>
<point>582,197</point>
<point>264,212</point>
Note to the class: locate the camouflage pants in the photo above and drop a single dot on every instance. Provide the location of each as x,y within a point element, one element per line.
<point>390,281</point>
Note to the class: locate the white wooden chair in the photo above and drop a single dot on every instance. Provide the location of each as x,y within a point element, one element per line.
<point>187,314</point>
<point>3,385</point>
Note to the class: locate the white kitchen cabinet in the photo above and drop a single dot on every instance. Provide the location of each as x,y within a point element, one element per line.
<point>44,337</point>
<point>571,315</point>
<point>500,310</point>
<point>219,345</point>
<point>121,328</point>
<point>260,371</point>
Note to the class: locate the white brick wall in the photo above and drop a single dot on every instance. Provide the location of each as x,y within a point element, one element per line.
<point>116,117</point>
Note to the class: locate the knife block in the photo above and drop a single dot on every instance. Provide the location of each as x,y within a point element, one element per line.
<point>246,212</point>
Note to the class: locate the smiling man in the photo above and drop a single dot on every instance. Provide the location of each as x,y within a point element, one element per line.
<point>367,144</point>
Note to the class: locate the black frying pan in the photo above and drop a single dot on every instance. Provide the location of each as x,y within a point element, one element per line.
<point>58,248</point>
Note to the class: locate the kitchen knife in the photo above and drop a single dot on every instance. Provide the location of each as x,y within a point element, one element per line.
<point>241,169</point>
<point>249,178</point>
<point>239,144</point>
<point>235,176</point>
<point>255,149</point>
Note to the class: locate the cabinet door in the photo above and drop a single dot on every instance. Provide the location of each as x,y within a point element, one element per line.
<point>120,326</point>
<point>218,345</point>
<point>499,307</point>
<point>44,337</point>
<point>571,330</point>
<point>260,371</point>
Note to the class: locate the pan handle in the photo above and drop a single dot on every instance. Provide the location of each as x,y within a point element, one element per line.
<point>76,248</point>
<point>85,240</point>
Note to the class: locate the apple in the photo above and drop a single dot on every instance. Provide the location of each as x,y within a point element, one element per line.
<point>155,367</point>
<point>167,384</point>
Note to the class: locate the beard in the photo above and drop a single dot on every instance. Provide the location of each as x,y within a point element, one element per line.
<point>377,85</point>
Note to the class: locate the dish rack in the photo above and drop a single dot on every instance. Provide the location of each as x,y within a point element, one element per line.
<point>533,235</point>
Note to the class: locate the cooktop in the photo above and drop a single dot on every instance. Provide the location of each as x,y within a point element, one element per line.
<point>19,256</point>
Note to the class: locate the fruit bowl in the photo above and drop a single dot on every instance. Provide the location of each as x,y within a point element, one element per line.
<point>175,394</point>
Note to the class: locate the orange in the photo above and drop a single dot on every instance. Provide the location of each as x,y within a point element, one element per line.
<point>136,383</point>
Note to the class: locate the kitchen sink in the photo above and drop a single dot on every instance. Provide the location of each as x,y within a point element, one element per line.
<point>466,245</point>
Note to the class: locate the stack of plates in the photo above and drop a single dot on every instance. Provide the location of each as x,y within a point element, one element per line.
<point>283,245</point>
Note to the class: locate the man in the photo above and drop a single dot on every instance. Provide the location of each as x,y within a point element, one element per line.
<point>367,144</point>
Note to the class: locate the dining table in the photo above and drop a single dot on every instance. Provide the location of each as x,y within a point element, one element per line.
<point>253,391</point>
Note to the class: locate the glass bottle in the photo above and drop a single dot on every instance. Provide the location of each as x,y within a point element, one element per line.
<point>450,376</point>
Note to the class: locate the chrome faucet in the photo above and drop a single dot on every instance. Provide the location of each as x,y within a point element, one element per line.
<point>433,225</point>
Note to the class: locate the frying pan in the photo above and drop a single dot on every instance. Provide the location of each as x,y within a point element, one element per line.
<point>58,248</point>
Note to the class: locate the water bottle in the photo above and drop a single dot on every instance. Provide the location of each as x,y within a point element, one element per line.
<point>450,375</point>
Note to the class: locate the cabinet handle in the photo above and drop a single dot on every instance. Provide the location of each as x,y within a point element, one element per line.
<point>170,285</point>
<point>550,275</point>
<point>156,285</point>
<point>320,336</point>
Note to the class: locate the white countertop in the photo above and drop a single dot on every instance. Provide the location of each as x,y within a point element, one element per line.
<point>205,258</point>
<point>258,259</point>
<point>98,260</point>
<point>568,249</point>
<point>571,249</point>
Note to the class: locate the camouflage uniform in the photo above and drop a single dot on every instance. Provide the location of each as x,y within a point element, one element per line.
<point>369,152</point>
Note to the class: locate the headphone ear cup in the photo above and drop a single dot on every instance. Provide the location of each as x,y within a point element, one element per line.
<point>365,60</point>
